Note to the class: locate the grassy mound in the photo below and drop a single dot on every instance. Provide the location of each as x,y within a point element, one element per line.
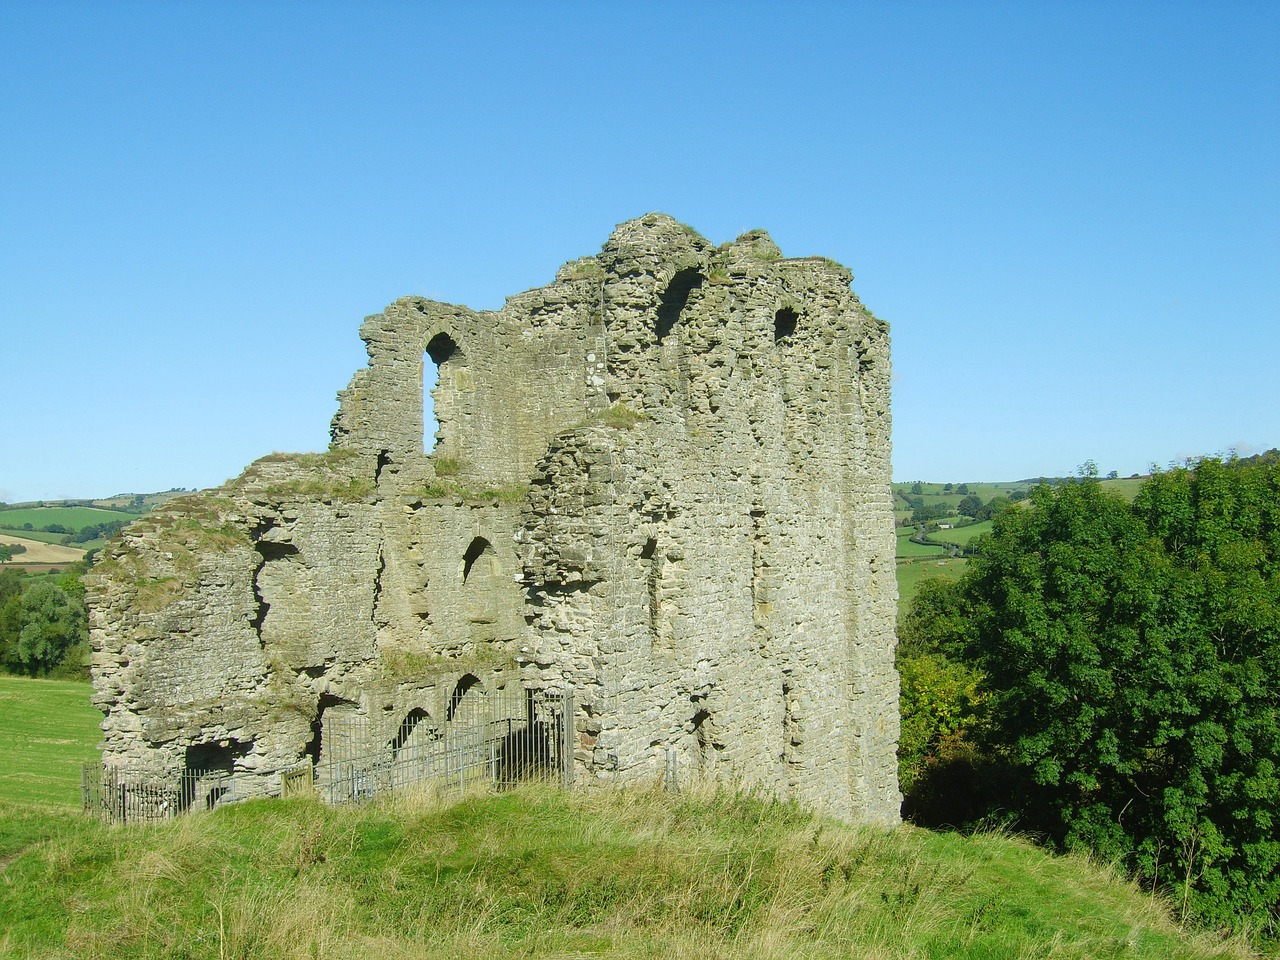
<point>536,872</point>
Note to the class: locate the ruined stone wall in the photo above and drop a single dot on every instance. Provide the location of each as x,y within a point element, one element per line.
<point>661,481</point>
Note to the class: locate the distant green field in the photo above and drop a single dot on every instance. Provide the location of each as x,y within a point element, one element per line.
<point>48,728</point>
<point>73,518</point>
<point>934,494</point>
<point>961,535</point>
<point>907,549</point>
<point>912,572</point>
<point>1127,487</point>
<point>31,535</point>
<point>917,561</point>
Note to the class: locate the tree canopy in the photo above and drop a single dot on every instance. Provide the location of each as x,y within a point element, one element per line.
<point>42,622</point>
<point>1130,677</point>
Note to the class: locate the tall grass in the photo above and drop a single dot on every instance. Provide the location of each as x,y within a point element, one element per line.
<point>537,872</point>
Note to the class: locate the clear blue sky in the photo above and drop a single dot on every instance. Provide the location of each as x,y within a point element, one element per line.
<point>1069,213</point>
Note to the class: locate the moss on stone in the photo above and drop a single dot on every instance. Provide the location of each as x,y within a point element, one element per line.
<point>619,416</point>
<point>153,594</point>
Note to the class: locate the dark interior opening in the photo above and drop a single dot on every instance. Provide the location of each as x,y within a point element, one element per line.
<point>675,298</point>
<point>214,757</point>
<point>784,324</point>
<point>465,686</point>
<point>314,745</point>
<point>207,764</point>
<point>407,727</point>
<point>648,556</point>
<point>479,546</point>
<point>702,735</point>
<point>441,349</point>
<point>271,550</point>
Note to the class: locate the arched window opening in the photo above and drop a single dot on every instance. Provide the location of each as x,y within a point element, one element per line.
<point>466,696</point>
<point>331,712</point>
<point>413,732</point>
<point>784,324</point>
<point>674,299</point>
<point>438,361</point>
<point>479,548</point>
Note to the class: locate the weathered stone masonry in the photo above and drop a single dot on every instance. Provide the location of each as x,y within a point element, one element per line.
<point>661,481</point>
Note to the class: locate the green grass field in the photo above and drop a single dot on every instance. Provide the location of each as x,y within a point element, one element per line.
<point>909,549</point>
<point>600,872</point>
<point>30,535</point>
<point>912,572</point>
<point>73,518</point>
<point>1127,487</point>
<point>48,728</point>
<point>961,535</point>
<point>536,872</point>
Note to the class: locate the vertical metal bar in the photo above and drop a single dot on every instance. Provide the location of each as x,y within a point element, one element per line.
<point>567,731</point>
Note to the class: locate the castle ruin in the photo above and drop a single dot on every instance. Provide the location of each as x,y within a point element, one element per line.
<point>660,483</point>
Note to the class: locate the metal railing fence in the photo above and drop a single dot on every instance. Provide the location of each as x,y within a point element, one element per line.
<point>497,738</point>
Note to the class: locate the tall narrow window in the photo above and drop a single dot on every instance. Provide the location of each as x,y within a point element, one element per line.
<point>438,389</point>
<point>704,737</point>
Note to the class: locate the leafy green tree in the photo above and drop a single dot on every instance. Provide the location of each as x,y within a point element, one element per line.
<point>936,621</point>
<point>70,580</point>
<point>1130,658</point>
<point>969,506</point>
<point>11,583</point>
<point>1219,748</point>
<point>49,623</point>
<point>939,711</point>
<point>992,507</point>
<point>932,511</point>
<point>963,489</point>
<point>917,487</point>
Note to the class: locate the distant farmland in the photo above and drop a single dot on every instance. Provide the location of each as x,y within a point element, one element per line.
<point>38,552</point>
<point>73,518</point>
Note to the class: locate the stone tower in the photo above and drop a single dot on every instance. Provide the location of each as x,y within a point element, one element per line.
<point>661,482</point>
